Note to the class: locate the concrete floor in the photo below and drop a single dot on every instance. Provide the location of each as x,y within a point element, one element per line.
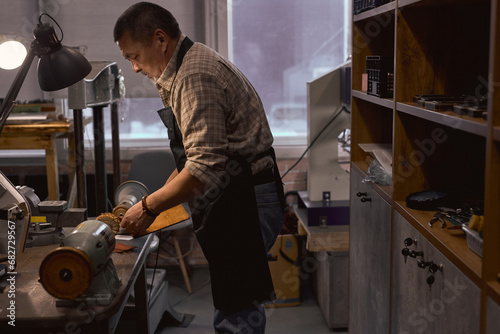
<point>197,307</point>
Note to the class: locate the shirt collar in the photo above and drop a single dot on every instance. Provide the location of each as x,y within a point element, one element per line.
<point>167,77</point>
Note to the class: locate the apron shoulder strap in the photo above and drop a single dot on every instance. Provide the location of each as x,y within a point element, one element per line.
<point>185,46</point>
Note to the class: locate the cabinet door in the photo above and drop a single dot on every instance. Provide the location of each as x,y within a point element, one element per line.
<point>450,305</point>
<point>492,317</point>
<point>369,259</point>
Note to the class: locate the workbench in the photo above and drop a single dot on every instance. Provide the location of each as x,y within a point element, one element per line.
<point>40,136</point>
<point>36,310</point>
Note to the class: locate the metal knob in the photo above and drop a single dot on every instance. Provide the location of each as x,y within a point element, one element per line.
<point>409,241</point>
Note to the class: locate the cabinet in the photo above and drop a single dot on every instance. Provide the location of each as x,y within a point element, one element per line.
<point>438,47</point>
<point>450,304</point>
<point>369,259</point>
<point>330,283</point>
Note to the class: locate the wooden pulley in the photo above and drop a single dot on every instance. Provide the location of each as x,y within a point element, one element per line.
<point>66,272</point>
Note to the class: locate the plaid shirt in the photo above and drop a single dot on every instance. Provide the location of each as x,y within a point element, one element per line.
<point>218,111</point>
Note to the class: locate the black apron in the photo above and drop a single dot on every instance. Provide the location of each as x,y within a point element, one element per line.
<point>227,225</point>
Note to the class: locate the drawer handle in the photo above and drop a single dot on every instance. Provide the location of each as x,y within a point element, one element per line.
<point>366,199</point>
<point>360,194</point>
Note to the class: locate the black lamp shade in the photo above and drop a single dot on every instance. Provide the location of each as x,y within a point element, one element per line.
<point>62,68</point>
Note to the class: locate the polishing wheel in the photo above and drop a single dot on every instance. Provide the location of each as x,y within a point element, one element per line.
<point>66,272</point>
<point>111,219</point>
<point>119,211</point>
<point>127,194</point>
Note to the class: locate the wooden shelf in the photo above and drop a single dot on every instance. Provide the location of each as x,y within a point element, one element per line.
<point>388,103</point>
<point>469,124</point>
<point>388,7</point>
<point>436,3</point>
<point>403,3</point>
<point>451,242</point>
<point>439,47</point>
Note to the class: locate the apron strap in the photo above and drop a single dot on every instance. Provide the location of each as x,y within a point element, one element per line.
<point>168,118</point>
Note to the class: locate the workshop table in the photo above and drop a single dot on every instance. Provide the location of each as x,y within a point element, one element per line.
<point>36,310</point>
<point>39,136</point>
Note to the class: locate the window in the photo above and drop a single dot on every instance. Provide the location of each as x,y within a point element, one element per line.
<point>280,45</point>
<point>140,125</point>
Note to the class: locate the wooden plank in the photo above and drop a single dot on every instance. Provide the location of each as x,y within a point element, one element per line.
<point>23,142</point>
<point>50,127</point>
<point>52,172</point>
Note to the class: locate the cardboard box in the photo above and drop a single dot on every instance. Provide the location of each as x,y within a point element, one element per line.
<point>282,261</point>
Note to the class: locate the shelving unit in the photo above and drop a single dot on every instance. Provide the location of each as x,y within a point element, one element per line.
<point>439,47</point>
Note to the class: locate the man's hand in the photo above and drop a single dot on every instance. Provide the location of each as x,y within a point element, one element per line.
<point>135,221</point>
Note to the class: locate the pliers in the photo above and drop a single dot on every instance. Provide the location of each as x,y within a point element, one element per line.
<point>438,216</point>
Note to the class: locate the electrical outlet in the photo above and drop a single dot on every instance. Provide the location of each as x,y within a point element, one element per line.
<point>323,221</point>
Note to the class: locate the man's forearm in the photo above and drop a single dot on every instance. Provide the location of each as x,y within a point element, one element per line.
<point>179,188</point>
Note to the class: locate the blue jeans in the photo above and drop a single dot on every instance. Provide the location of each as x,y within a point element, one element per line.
<point>253,319</point>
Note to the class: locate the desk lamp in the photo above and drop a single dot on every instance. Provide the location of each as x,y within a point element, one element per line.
<point>12,52</point>
<point>58,67</point>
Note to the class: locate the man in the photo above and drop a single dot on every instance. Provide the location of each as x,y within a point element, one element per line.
<point>226,168</point>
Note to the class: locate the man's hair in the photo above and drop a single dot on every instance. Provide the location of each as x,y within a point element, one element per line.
<point>142,19</point>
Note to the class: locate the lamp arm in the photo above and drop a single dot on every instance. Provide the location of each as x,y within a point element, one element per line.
<point>10,99</point>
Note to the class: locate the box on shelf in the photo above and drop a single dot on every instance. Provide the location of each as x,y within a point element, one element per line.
<point>282,260</point>
<point>380,70</point>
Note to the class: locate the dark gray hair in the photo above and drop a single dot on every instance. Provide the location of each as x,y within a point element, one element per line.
<point>142,19</point>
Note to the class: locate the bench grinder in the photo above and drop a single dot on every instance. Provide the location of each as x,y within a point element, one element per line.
<point>82,268</point>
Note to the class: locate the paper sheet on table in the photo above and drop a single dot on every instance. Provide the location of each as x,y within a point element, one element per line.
<point>381,152</point>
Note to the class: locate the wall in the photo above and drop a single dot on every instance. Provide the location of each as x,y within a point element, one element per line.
<point>82,21</point>
<point>74,18</point>
<point>19,18</point>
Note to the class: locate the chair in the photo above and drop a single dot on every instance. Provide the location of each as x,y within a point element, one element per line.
<point>152,168</point>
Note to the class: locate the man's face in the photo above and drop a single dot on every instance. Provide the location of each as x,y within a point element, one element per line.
<point>146,59</point>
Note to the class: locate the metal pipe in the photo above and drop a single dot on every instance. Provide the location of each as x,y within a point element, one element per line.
<point>115,138</point>
<point>101,189</point>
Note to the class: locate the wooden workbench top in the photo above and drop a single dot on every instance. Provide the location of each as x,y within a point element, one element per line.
<point>42,127</point>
